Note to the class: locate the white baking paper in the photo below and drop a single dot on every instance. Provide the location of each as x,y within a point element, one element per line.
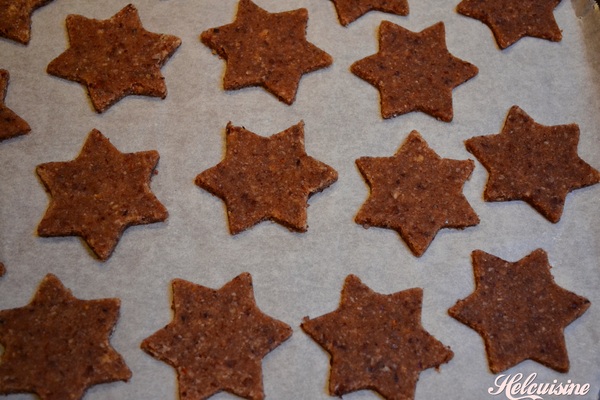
<point>297,275</point>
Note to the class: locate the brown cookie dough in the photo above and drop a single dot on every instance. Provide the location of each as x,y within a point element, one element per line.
<point>376,341</point>
<point>350,10</point>
<point>519,311</point>
<point>266,178</point>
<point>266,49</point>
<point>217,339</point>
<point>414,71</point>
<point>11,124</point>
<point>114,58</point>
<point>511,20</point>
<point>15,18</point>
<point>99,194</point>
<point>416,193</point>
<point>58,346</point>
<point>2,270</point>
<point>534,163</point>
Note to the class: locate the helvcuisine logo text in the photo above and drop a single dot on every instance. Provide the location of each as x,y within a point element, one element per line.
<point>514,387</point>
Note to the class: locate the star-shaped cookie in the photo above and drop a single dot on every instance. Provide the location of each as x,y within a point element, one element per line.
<point>99,194</point>
<point>519,311</point>
<point>511,20</point>
<point>266,49</point>
<point>114,58</point>
<point>15,18</point>
<point>350,10</point>
<point>217,339</point>
<point>416,193</point>
<point>58,346</point>
<point>266,178</point>
<point>11,124</point>
<point>414,71</point>
<point>532,162</point>
<point>376,341</point>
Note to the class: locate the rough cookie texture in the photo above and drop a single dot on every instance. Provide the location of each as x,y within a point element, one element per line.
<point>15,18</point>
<point>114,58</point>
<point>511,20</point>
<point>11,124</point>
<point>416,193</point>
<point>534,163</point>
<point>58,346</point>
<point>99,194</point>
<point>217,339</point>
<point>266,49</point>
<point>376,341</point>
<point>266,178</point>
<point>350,10</point>
<point>519,311</point>
<point>414,71</point>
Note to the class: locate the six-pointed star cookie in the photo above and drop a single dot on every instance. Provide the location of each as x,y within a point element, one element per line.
<point>350,10</point>
<point>58,346</point>
<point>414,71</point>
<point>264,178</point>
<point>99,194</point>
<point>519,311</point>
<point>15,18</point>
<point>266,49</point>
<point>416,193</point>
<point>114,57</point>
<point>217,339</point>
<point>11,124</point>
<point>376,341</point>
<point>532,162</point>
<point>510,20</point>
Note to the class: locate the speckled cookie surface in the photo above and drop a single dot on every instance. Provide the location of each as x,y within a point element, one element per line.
<point>11,124</point>
<point>532,162</point>
<point>376,341</point>
<point>266,178</point>
<point>350,10</point>
<point>511,20</point>
<point>114,58</point>
<point>519,311</point>
<point>416,193</point>
<point>414,71</point>
<point>58,346</point>
<point>99,194</point>
<point>15,18</point>
<point>266,49</point>
<point>217,339</point>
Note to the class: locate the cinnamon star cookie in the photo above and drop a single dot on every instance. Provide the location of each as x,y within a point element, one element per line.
<point>217,339</point>
<point>350,10</point>
<point>15,18</point>
<point>534,163</point>
<point>11,124</point>
<point>519,311</point>
<point>114,58</point>
<point>376,341</point>
<point>416,193</point>
<point>414,71</point>
<point>266,178</point>
<point>99,194</point>
<point>58,346</point>
<point>511,20</point>
<point>266,49</point>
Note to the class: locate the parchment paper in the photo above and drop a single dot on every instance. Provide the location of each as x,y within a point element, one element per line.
<point>296,275</point>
